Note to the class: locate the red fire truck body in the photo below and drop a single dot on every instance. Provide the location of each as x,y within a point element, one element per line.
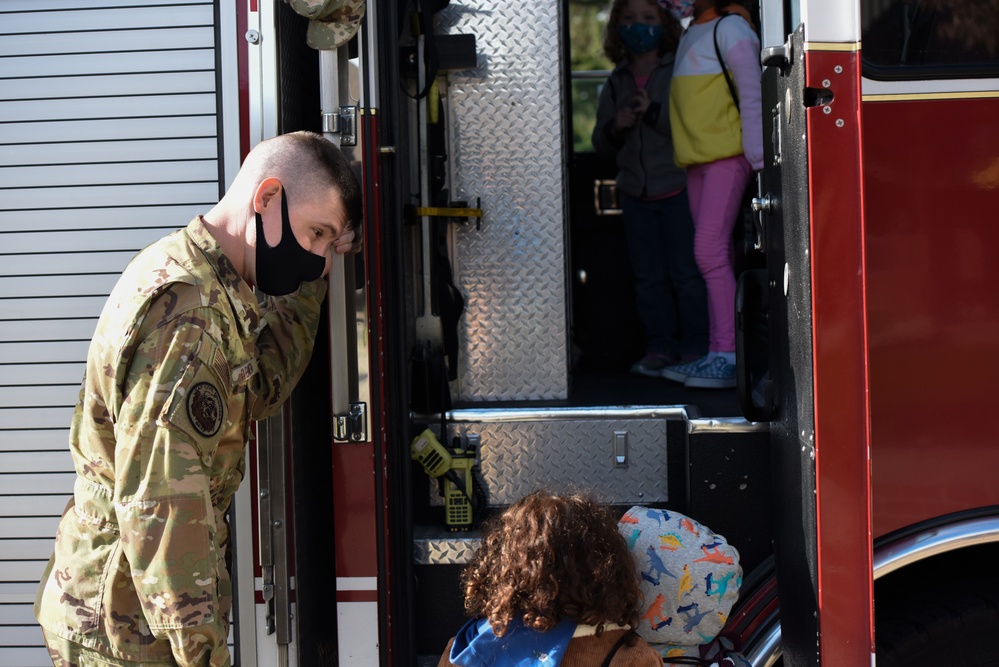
<point>854,467</point>
<point>927,326</point>
<point>886,341</point>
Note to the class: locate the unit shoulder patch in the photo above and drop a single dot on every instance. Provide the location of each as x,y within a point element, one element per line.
<point>199,402</point>
<point>204,409</point>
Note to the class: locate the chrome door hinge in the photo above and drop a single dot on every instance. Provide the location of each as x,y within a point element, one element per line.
<point>343,123</point>
<point>351,427</point>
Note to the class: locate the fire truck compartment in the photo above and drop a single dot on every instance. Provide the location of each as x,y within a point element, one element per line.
<point>661,456</point>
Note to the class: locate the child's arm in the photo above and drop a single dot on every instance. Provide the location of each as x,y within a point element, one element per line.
<point>656,112</point>
<point>741,50</point>
<point>604,141</point>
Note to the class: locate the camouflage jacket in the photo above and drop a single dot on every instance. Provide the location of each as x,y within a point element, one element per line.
<point>183,358</point>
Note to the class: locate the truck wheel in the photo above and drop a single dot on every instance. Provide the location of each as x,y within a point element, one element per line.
<point>944,629</point>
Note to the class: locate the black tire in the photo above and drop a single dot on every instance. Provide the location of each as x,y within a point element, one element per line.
<point>942,629</point>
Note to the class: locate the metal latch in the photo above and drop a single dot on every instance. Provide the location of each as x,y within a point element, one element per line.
<point>605,200</point>
<point>778,56</point>
<point>620,449</point>
<point>343,123</point>
<point>762,206</point>
<point>351,427</point>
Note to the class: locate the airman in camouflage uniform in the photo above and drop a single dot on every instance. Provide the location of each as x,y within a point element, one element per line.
<point>182,360</point>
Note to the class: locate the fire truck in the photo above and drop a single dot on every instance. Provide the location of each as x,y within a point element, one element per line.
<point>492,306</point>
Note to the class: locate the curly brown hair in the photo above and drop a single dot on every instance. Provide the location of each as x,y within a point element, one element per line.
<point>548,557</point>
<point>612,42</point>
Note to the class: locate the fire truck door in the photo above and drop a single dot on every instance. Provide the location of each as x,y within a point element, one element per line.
<point>792,430</point>
<point>810,201</point>
<point>353,456</point>
<point>316,597</point>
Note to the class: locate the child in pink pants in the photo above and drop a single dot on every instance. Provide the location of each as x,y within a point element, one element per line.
<point>716,119</point>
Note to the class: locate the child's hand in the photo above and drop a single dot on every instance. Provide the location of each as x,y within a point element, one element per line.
<point>640,102</point>
<point>625,119</point>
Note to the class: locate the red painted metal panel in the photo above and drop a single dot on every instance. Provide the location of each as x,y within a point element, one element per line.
<point>845,583</point>
<point>357,596</point>
<point>356,505</point>
<point>354,509</point>
<point>243,72</point>
<point>379,353</point>
<point>931,198</point>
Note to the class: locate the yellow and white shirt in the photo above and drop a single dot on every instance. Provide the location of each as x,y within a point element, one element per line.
<point>706,124</point>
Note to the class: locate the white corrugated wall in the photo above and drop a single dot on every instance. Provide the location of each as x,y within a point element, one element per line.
<point>109,138</point>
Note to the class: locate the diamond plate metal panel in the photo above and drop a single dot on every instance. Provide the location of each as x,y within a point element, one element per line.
<point>507,148</point>
<point>436,547</point>
<point>517,457</point>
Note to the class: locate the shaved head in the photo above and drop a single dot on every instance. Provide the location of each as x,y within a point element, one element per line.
<point>317,178</point>
<point>306,164</point>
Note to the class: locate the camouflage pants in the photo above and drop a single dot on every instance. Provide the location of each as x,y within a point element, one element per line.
<point>65,653</point>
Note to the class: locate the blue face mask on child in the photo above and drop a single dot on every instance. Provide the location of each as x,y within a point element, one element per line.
<point>640,37</point>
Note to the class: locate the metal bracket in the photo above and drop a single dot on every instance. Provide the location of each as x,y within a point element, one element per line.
<point>273,538</point>
<point>351,427</point>
<point>343,124</point>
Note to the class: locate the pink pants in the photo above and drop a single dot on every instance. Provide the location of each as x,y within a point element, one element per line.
<point>715,191</point>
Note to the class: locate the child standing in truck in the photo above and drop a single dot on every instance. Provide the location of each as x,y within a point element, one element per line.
<point>716,118</point>
<point>552,584</point>
<point>633,128</point>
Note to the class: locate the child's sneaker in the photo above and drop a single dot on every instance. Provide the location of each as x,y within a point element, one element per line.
<point>652,364</point>
<point>717,374</point>
<point>680,372</point>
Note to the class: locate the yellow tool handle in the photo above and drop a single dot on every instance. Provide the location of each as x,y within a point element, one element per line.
<point>442,212</point>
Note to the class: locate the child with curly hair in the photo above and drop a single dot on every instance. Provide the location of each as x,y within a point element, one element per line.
<point>553,584</point>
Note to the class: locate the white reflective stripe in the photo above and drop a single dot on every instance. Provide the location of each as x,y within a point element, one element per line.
<point>357,633</point>
<point>357,583</point>
<point>925,88</point>
<point>831,20</point>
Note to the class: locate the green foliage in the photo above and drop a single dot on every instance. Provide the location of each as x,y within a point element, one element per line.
<point>585,95</point>
<point>587,22</point>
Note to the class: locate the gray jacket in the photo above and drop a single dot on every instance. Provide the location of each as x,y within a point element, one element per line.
<point>644,153</point>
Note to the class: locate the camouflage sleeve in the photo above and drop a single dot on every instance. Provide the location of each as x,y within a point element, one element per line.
<point>173,412</point>
<point>284,346</point>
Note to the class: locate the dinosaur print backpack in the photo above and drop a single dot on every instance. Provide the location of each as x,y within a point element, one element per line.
<point>689,576</point>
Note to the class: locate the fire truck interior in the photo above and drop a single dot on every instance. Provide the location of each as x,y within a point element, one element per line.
<point>607,334</point>
<point>487,411</point>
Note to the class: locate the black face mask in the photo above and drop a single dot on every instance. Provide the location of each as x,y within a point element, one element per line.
<point>281,269</point>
